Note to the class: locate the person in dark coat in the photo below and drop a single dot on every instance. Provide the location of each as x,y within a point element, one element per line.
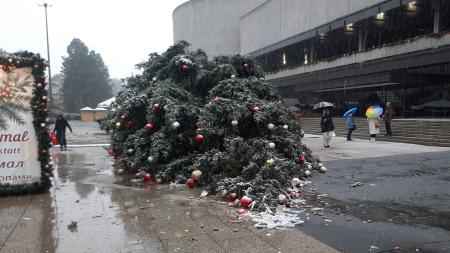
<point>60,129</point>
<point>388,116</point>
<point>327,125</point>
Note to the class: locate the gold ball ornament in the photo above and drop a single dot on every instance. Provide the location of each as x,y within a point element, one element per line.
<point>270,162</point>
<point>272,145</point>
<point>270,126</point>
<point>282,199</point>
<point>118,125</point>
<point>234,123</point>
<point>307,173</point>
<point>151,159</point>
<point>285,127</point>
<point>196,174</point>
<point>175,125</point>
<point>295,182</point>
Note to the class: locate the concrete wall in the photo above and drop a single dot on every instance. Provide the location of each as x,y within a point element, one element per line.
<point>212,25</point>
<point>276,20</point>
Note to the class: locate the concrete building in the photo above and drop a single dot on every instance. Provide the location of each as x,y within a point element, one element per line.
<point>349,52</point>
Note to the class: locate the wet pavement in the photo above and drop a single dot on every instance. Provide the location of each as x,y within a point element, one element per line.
<point>400,201</point>
<point>91,210</point>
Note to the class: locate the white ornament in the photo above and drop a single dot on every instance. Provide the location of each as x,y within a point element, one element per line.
<point>285,127</point>
<point>323,169</point>
<point>42,124</point>
<point>175,125</point>
<point>234,123</point>
<point>44,97</point>
<point>196,174</point>
<point>262,78</point>
<point>166,107</point>
<point>270,162</point>
<point>130,151</point>
<point>307,173</point>
<point>270,126</point>
<point>272,145</point>
<point>282,199</point>
<point>233,76</point>
<point>10,60</point>
<point>151,159</point>
<point>154,79</point>
<point>295,182</point>
<point>39,84</point>
<point>224,193</point>
<point>309,167</point>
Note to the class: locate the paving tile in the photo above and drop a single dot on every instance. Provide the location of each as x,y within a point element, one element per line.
<point>238,246</point>
<point>197,244</point>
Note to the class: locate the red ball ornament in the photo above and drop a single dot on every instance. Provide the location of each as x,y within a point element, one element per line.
<point>246,201</point>
<point>148,177</point>
<point>123,118</point>
<point>111,152</point>
<point>6,68</point>
<point>156,107</point>
<point>129,125</point>
<point>199,138</point>
<point>293,194</point>
<point>245,66</point>
<point>149,127</point>
<point>191,183</point>
<point>232,197</point>
<point>185,69</point>
<point>301,159</point>
<point>256,109</point>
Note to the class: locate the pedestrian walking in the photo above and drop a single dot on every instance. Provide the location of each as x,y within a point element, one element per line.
<point>374,127</point>
<point>388,116</point>
<point>327,125</point>
<point>350,120</point>
<point>60,128</point>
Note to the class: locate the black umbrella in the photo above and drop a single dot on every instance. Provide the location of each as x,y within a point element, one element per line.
<point>323,105</point>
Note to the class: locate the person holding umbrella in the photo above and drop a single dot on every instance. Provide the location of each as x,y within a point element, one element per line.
<point>373,118</point>
<point>327,125</point>
<point>350,120</point>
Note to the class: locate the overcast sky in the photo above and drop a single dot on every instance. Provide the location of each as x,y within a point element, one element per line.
<point>123,32</point>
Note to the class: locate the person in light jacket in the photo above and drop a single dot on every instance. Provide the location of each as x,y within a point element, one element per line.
<point>327,125</point>
<point>374,127</point>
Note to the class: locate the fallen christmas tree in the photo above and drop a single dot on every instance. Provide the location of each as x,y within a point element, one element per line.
<point>214,123</point>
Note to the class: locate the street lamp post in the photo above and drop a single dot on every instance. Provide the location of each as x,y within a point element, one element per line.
<point>45,5</point>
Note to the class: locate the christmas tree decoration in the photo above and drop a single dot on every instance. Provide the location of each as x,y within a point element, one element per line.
<point>245,67</point>
<point>123,118</point>
<point>149,127</point>
<point>120,171</point>
<point>232,197</point>
<point>323,169</point>
<point>130,151</point>
<point>233,76</point>
<point>154,79</point>
<point>156,107</point>
<point>301,159</point>
<point>285,127</point>
<point>191,183</point>
<point>42,124</point>
<point>270,126</point>
<point>307,173</point>
<point>151,159</point>
<point>271,145</point>
<point>256,109</point>
<point>234,123</point>
<point>270,162</point>
<point>246,201</point>
<point>196,174</point>
<point>118,125</point>
<point>175,125</point>
<point>294,194</point>
<point>236,203</point>
<point>148,177</point>
<point>295,182</point>
<point>224,193</point>
<point>282,199</point>
<point>185,68</point>
<point>199,138</point>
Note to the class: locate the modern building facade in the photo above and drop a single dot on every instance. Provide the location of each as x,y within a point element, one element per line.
<point>349,52</point>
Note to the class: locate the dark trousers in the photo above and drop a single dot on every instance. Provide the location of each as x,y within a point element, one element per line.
<point>349,133</point>
<point>388,128</point>
<point>61,135</point>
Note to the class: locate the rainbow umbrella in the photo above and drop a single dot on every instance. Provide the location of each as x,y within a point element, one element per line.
<point>374,112</point>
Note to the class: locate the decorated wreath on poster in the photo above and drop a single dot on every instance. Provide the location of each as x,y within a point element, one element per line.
<point>25,164</point>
